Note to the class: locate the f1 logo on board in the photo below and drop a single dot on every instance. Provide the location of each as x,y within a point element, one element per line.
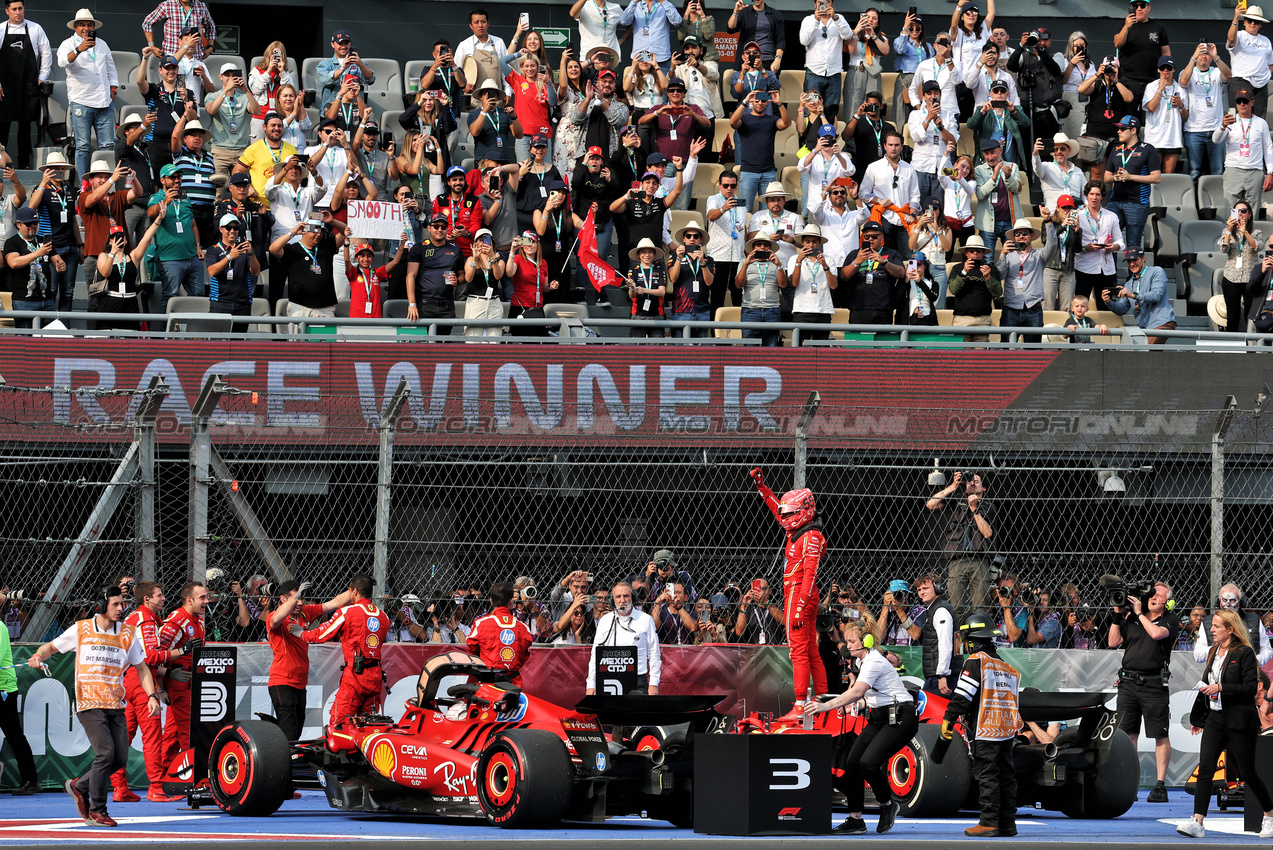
<point>790,813</point>
<point>798,774</point>
<point>213,702</point>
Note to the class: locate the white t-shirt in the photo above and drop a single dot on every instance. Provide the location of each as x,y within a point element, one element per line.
<point>928,145</point>
<point>980,85</point>
<point>822,171</point>
<point>813,294</point>
<point>884,686</point>
<point>1077,74</point>
<point>1250,58</point>
<point>1206,101</point>
<point>598,28</point>
<point>842,229</point>
<point>334,163</point>
<point>1163,126</point>
<point>958,195</point>
<point>967,51</point>
<point>788,223</point>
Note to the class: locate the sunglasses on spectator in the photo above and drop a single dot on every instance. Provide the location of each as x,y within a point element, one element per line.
<point>728,185</point>
<point>443,225</point>
<point>693,235</point>
<point>1242,100</point>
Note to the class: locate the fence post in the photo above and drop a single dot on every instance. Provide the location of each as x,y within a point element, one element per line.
<point>144,434</point>
<point>200,478</point>
<point>1221,430</point>
<point>384,480</point>
<point>807,413</point>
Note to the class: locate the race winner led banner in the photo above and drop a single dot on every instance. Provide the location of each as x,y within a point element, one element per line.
<point>328,392</point>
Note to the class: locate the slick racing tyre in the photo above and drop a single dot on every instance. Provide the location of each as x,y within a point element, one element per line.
<point>923,788</point>
<point>250,768</point>
<point>525,778</point>
<point>1111,790</point>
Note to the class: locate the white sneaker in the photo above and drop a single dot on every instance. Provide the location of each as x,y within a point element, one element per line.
<point>1266,828</point>
<point>1193,829</point>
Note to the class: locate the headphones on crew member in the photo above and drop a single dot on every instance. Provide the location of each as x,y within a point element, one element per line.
<point>102,603</point>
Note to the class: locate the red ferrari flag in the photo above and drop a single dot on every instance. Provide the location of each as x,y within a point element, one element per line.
<point>599,271</point>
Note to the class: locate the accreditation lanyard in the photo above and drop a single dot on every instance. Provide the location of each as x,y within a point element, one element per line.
<point>605,16</point>
<point>763,271</point>
<point>1125,155</point>
<point>275,155</point>
<point>367,282</point>
<point>1094,224</point>
<point>1025,256</point>
<point>537,283</point>
<point>92,54</point>
<point>486,278</point>
<point>694,265</point>
<point>1244,146</point>
<point>557,225</point>
<point>314,265</point>
<point>646,15</point>
<point>811,270</point>
<point>879,132</point>
<point>347,114</point>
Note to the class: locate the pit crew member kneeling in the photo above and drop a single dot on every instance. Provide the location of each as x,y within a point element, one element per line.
<point>891,723</point>
<point>987,696</point>
<point>501,640</point>
<point>361,628</point>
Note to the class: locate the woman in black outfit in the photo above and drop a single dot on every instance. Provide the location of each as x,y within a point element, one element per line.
<point>1232,724</point>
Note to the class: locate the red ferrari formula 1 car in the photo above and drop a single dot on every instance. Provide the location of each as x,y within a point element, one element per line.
<point>1091,770</point>
<point>469,744</point>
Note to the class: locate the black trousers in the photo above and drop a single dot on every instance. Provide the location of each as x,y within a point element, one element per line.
<point>722,285</point>
<point>24,114</point>
<point>996,778</point>
<point>11,726</point>
<point>289,709</point>
<point>1240,744</point>
<point>877,743</point>
<point>107,733</point>
<point>1237,302</point>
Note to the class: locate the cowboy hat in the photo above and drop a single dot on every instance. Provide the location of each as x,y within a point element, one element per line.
<point>614,57</point>
<point>812,229</point>
<point>100,166</point>
<point>635,253</point>
<point>196,127</point>
<point>86,15</point>
<point>774,189</point>
<point>131,120</point>
<point>491,86</point>
<point>678,236</point>
<point>1218,312</point>
<point>56,159</point>
<point>1255,13</point>
<point>300,163</point>
<point>1024,224</point>
<point>972,242</point>
<point>1061,140</point>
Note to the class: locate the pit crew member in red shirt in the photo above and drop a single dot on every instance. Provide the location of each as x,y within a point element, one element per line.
<point>361,628</point>
<point>501,640</point>
<point>183,630</point>
<point>289,671</point>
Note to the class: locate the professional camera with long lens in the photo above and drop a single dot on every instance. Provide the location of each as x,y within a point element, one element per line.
<point>1120,591</point>
<point>1031,39</point>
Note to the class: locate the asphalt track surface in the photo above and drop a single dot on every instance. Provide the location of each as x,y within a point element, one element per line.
<point>47,819</point>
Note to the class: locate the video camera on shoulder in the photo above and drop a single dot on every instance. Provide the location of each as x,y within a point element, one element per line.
<point>1120,591</point>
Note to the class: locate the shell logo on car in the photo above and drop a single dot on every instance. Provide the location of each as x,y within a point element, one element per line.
<point>383,758</point>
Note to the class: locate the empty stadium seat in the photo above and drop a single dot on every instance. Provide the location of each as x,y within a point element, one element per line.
<point>1200,236</point>
<point>6,303</point>
<point>1201,277</point>
<point>705,180</point>
<point>1211,196</point>
<point>888,86</point>
<point>728,314</point>
<point>722,131</point>
<point>126,69</point>
<point>1175,190</point>
<point>790,177</point>
<point>792,84</point>
<point>395,308</point>
<point>386,91</point>
<point>412,72</point>
<point>187,304</point>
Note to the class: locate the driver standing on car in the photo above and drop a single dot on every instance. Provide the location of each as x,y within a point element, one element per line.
<point>987,696</point>
<point>627,625</point>
<point>797,514</point>
<point>1147,633</point>
<point>501,640</point>
<point>361,628</point>
<point>891,722</point>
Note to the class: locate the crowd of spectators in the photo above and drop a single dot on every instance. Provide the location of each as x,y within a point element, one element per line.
<point>903,210</point>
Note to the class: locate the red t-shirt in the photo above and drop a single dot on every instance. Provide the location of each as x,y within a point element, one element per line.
<point>291,654</point>
<point>364,289</point>
<point>529,283</point>
<point>531,105</point>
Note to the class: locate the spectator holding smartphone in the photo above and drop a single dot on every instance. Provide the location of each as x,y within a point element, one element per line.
<point>758,621</point>
<point>673,620</point>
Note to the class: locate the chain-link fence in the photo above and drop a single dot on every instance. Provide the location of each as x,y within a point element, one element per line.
<point>432,505</point>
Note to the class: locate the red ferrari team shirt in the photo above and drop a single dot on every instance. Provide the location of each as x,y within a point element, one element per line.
<point>146,623</point>
<point>500,640</point>
<point>180,627</point>
<point>361,627</point>
<point>290,666</point>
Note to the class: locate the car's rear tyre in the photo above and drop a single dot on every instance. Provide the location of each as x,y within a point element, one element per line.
<point>923,788</point>
<point>678,809</point>
<point>525,778</point>
<point>1111,790</point>
<point>250,768</point>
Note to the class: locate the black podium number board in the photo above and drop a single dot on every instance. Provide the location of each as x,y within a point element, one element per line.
<point>616,670</point>
<point>213,694</point>
<point>762,784</point>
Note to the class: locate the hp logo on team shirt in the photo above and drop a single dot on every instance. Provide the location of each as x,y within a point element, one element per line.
<point>506,637</point>
<point>373,624</point>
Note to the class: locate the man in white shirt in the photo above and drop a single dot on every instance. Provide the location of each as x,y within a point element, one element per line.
<point>1248,152</point>
<point>91,83</point>
<point>942,67</point>
<point>1060,176</point>
<point>1166,109</point>
<point>823,165</point>
<point>628,626</point>
<point>1250,54</point>
<point>478,55</point>
<point>774,218</point>
<point>291,191</point>
<point>892,184</point>
<point>27,62</point>
<point>824,34</point>
<point>329,159</point>
<point>989,70</point>
<point>1203,80</point>
<point>840,225</point>
<point>701,78</point>
<point>932,127</point>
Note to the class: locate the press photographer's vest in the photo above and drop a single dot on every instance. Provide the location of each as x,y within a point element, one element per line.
<point>928,636</point>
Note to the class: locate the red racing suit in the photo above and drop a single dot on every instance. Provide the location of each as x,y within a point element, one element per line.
<point>362,629</point>
<point>180,627</point>
<point>137,709</point>
<point>804,549</point>
<point>502,642</point>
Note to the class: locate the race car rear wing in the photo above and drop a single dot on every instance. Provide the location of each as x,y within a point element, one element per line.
<point>653,709</point>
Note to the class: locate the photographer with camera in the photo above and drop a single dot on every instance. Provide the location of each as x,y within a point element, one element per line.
<point>1146,631</point>
<point>1013,619</point>
<point>500,639</point>
<point>898,616</point>
<point>1108,98</point>
<point>1045,620</point>
<point>966,538</point>
<point>1191,630</point>
<point>662,571</point>
<point>712,627</point>
<point>1232,599</point>
<point>673,620</point>
<point>758,620</point>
